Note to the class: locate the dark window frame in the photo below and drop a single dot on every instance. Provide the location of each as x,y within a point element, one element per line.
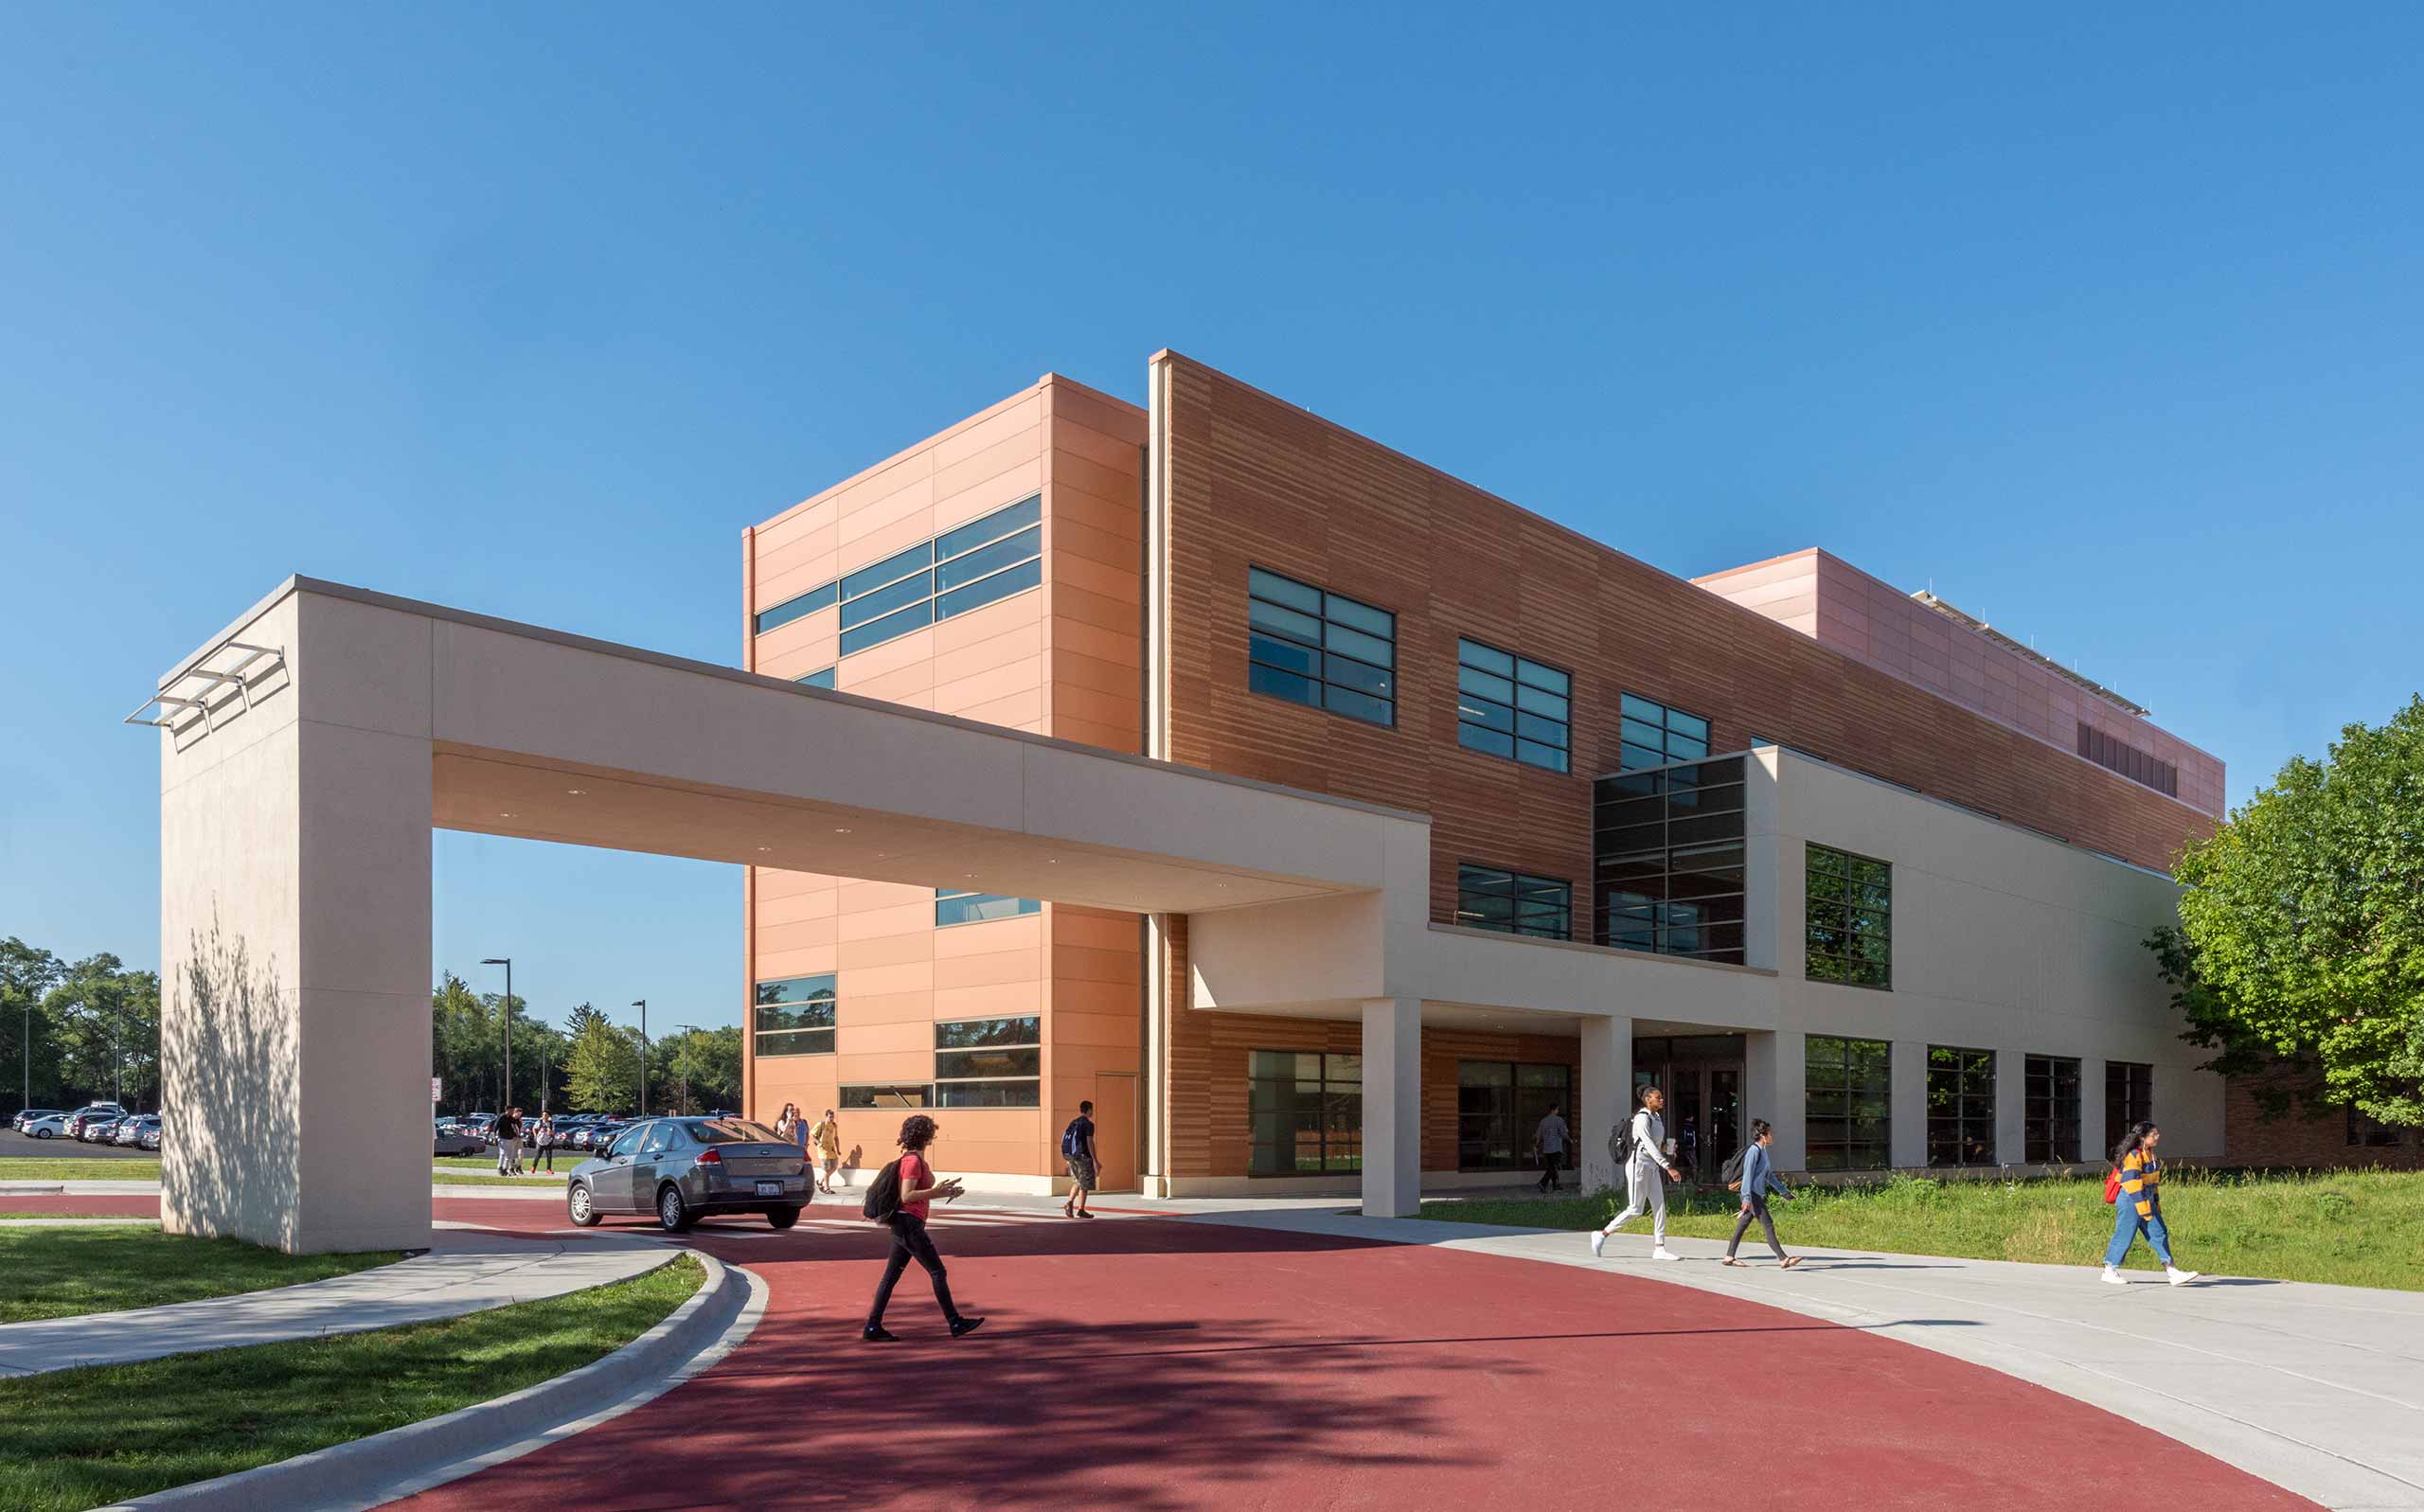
<point>1013,1039</point>
<point>2129,1097</point>
<point>1323,656</point>
<point>1513,707</point>
<point>1669,861</point>
<point>1848,1113</point>
<point>1648,734</point>
<point>864,1095</point>
<point>1528,910</point>
<point>954,907</point>
<point>2368,1132</point>
<point>1961,1118</point>
<point>1847,907</point>
<point>892,600</point>
<point>1337,1114</point>
<point>2043,1123</point>
<point>804,1024</point>
<point>1503,1130</point>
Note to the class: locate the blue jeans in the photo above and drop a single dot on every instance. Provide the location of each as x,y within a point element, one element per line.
<point>2127,1225</point>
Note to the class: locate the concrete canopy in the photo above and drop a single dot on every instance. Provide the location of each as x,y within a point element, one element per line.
<point>298,801</point>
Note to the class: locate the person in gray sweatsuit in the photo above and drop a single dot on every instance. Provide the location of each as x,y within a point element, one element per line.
<point>1758,1179</point>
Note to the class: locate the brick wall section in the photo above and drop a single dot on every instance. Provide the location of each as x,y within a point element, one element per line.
<point>2301,1138</point>
<point>1255,480</point>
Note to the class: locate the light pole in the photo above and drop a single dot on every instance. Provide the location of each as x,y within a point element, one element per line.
<point>504,1098</point>
<point>641,1004</point>
<point>681,1061</point>
<point>29,1048</point>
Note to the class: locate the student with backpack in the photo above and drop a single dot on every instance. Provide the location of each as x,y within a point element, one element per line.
<point>1643,1153</point>
<point>1078,1150</point>
<point>1750,1171</point>
<point>899,1198</point>
<point>2131,1187</point>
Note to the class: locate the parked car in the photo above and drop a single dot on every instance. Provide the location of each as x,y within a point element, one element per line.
<point>130,1130</point>
<point>151,1139</point>
<point>683,1169</point>
<point>453,1139</point>
<point>77,1120</point>
<point>51,1126</point>
<point>30,1114</point>
<point>98,1128</point>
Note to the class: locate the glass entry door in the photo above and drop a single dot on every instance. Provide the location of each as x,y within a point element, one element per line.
<point>1702,1078</point>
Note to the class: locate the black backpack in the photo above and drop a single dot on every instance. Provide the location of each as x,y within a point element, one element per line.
<point>1070,1148</point>
<point>1732,1171</point>
<point>883,1195</point>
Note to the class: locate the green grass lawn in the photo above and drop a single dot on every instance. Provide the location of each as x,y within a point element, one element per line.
<point>56,1272</point>
<point>540,1182</point>
<point>35,1168</point>
<point>82,1438</point>
<point>2349,1228</point>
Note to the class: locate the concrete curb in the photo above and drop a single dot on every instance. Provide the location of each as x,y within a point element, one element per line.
<point>368,1472</point>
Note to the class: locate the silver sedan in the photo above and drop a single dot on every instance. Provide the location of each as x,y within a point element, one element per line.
<point>683,1169</point>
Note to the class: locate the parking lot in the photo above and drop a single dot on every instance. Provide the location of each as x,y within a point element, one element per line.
<point>16,1146</point>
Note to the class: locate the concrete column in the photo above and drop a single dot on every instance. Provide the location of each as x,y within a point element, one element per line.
<point>1607,1097</point>
<point>1907,1135</point>
<point>1773,1074</point>
<point>1392,1107</point>
<point>295,940</point>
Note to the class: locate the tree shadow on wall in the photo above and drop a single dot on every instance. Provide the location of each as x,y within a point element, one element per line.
<point>231,1072</point>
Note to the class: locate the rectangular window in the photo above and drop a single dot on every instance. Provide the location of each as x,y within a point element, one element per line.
<point>2129,1099</point>
<point>1304,1113</point>
<point>974,908</point>
<point>888,1095</point>
<point>1668,860</point>
<point>964,568</point>
<point>1490,898</point>
<point>989,1063</point>
<point>2138,766</point>
<point>1850,907</point>
<point>1320,649</point>
<point>1507,705</point>
<point>794,1016</point>
<point>1653,735</point>
<point>2365,1132</point>
<point>1499,1108</point>
<point>819,679</point>
<point>2052,1116</point>
<point>1961,1106</point>
<point>1847,1085</point>
<point>821,597</point>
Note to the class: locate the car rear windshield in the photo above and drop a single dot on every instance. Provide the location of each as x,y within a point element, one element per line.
<point>731,1131</point>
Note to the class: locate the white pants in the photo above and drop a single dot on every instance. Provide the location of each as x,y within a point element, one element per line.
<point>1645,1192</point>
<point>509,1156</point>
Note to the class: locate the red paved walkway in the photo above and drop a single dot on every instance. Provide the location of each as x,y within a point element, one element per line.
<point>1154,1364</point>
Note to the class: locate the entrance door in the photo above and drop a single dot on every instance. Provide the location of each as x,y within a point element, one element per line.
<point>1703,1109</point>
<point>1116,1130</point>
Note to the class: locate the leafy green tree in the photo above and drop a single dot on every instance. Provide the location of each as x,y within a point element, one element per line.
<point>26,975</point>
<point>699,1067</point>
<point>603,1066</point>
<point>2300,938</point>
<point>108,1022</point>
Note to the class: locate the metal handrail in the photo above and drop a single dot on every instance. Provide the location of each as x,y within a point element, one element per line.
<point>207,679</point>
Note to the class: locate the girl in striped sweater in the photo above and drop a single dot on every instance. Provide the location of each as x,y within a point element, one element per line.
<point>2138,1208</point>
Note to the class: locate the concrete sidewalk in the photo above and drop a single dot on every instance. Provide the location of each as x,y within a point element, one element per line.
<point>465,1270</point>
<point>2317,1389</point>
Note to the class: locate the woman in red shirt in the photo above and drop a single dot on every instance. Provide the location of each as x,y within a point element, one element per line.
<point>919,1189</point>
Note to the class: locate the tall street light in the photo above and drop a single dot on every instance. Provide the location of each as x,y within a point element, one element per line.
<point>505,1099</point>
<point>641,1004</point>
<point>682,1098</point>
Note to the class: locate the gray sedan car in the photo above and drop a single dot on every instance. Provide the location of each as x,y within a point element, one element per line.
<point>683,1169</point>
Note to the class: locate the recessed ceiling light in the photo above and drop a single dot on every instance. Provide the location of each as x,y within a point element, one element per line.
<point>840,831</point>
<point>505,816</point>
<point>575,792</point>
<point>765,848</point>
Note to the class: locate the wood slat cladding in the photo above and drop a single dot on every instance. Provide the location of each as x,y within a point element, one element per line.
<point>1253,480</point>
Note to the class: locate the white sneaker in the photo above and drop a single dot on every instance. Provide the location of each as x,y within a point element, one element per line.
<point>1598,1243</point>
<point>1662,1252</point>
<point>2179,1278</point>
<point>2114,1277</point>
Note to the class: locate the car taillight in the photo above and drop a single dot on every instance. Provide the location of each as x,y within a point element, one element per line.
<point>711,1157</point>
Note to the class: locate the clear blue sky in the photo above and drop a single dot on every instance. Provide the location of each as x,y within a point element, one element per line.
<point>2108,323</point>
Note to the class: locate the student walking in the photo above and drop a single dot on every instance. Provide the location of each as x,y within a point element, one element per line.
<point>1758,1179</point>
<point>1550,1140</point>
<point>543,1139</point>
<point>827,1137</point>
<point>1078,1150</point>
<point>914,1187</point>
<point>508,1143</point>
<point>1645,1160</point>
<point>2133,1189</point>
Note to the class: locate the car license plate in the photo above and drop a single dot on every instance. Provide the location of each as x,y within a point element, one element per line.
<point>770,1188</point>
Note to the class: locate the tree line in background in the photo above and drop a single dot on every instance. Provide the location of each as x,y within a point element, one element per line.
<point>95,1030</point>
<point>591,1064</point>
<point>2300,946</point>
<point>95,1037</point>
